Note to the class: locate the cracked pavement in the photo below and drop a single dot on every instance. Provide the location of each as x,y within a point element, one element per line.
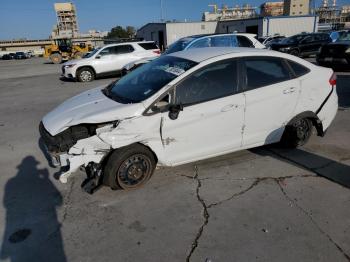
<point>264,204</point>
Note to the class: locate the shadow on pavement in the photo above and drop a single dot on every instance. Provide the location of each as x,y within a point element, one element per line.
<point>322,166</point>
<point>32,230</point>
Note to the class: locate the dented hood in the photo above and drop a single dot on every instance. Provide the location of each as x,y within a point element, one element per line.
<point>88,107</point>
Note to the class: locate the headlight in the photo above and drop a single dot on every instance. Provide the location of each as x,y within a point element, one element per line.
<point>347,50</point>
<point>69,66</point>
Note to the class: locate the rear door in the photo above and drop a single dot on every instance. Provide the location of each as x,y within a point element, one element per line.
<point>271,93</point>
<point>124,54</point>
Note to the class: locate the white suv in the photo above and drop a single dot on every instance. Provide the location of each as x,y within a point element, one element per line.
<point>189,106</point>
<point>108,60</point>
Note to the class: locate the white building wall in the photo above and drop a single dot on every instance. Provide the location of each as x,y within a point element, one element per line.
<point>288,26</point>
<point>176,31</point>
<point>291,25</point>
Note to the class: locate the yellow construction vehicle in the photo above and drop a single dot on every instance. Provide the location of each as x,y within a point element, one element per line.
<point>63,49</point>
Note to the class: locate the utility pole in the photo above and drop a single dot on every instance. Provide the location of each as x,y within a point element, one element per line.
<point>161,11</point>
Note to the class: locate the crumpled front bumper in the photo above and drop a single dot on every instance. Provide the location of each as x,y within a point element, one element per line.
<point>83,152</point>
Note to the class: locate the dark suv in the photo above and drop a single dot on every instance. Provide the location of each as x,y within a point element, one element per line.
<point>336,54</point>
<point>302,44</point>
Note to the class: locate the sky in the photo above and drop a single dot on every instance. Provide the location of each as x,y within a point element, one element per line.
<point>34,19</point>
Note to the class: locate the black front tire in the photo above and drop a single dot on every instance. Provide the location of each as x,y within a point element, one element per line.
<point>129,167</point>
<point>297,133</point>
<point>85,74</point>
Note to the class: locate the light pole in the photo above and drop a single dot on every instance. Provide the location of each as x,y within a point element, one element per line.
<point>161,11</point>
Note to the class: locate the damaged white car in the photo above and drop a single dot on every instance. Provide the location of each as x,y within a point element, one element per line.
<point>185,107</point>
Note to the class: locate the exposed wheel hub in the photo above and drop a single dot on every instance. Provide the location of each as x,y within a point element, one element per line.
<point>134,171</point>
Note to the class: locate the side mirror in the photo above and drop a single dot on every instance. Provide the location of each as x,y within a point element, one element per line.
<point>174,111</point>
<point>160,106</point>
<point>98,57</point>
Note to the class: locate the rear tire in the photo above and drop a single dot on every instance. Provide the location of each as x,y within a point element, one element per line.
<point>85,74</point>
<point>129,167</point>
<point>56,58</point>
<point>297,133</point>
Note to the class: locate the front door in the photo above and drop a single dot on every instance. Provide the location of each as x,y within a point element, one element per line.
<point>212,118</point>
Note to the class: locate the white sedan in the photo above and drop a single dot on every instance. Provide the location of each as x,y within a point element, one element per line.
<point>188,106</point>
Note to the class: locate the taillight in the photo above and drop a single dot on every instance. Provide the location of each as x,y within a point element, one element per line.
<point>333,79</point>
<point>156,52</point>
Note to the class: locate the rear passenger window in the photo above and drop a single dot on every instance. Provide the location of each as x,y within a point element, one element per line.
<point>224,41</point>
<point>148,46</point>
<point>123,49</point>
<point>264,71</point>
<point>298,69</point>
<point>208,83</point>
<point>244,41</point>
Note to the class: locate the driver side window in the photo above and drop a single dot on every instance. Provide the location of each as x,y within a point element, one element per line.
<point>106,51</point>
<point>208,83</point>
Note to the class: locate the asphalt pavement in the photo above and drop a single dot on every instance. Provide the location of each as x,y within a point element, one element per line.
<point>264,204</point>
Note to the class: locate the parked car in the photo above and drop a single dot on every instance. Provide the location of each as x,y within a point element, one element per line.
<point>215,40</point>
<point>201,41</point>
<point>336,54</point>
<point>108,60</point>
<point>189,106</point>
<point>29,54</point>
<point>302,44</point>
<point>20,55</point>
<point>271,39</point>
<point>7,57</point>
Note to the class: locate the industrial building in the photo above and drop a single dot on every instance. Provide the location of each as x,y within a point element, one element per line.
<point>229,13</point>
<point>271,9</point>
<point>164,34</point>
<point>333,17</point>
<point>296,7</point>
<point>67,24</point>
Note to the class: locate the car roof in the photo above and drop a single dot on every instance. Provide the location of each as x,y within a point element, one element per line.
<point>129,43</point>
<point>200,54</point>
<point>193,37</point>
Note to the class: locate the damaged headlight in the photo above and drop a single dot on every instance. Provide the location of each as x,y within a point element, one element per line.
<point>63,141</point>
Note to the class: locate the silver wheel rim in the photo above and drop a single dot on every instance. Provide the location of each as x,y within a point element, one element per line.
<point>85,76</point>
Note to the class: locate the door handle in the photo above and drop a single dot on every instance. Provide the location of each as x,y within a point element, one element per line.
<point>228,107</point>
<point>289,90</point>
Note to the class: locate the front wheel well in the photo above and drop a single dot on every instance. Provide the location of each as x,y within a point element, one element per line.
<point>90,67</point>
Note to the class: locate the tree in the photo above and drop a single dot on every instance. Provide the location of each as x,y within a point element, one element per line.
<point>131,31</point>
<point>120,32</point>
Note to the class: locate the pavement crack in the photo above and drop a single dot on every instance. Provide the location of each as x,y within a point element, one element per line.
<point>205,216</point>
<point>279,183</point>
<point>255,183</point>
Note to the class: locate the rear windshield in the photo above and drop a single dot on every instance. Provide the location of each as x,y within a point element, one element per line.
<point>178,45</point>
<point>148,46</point>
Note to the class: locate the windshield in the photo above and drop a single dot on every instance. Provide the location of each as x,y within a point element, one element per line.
<point>178,46</point>
<point>344,36</point>
<point>146,80</point>
<point>90,54</point>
